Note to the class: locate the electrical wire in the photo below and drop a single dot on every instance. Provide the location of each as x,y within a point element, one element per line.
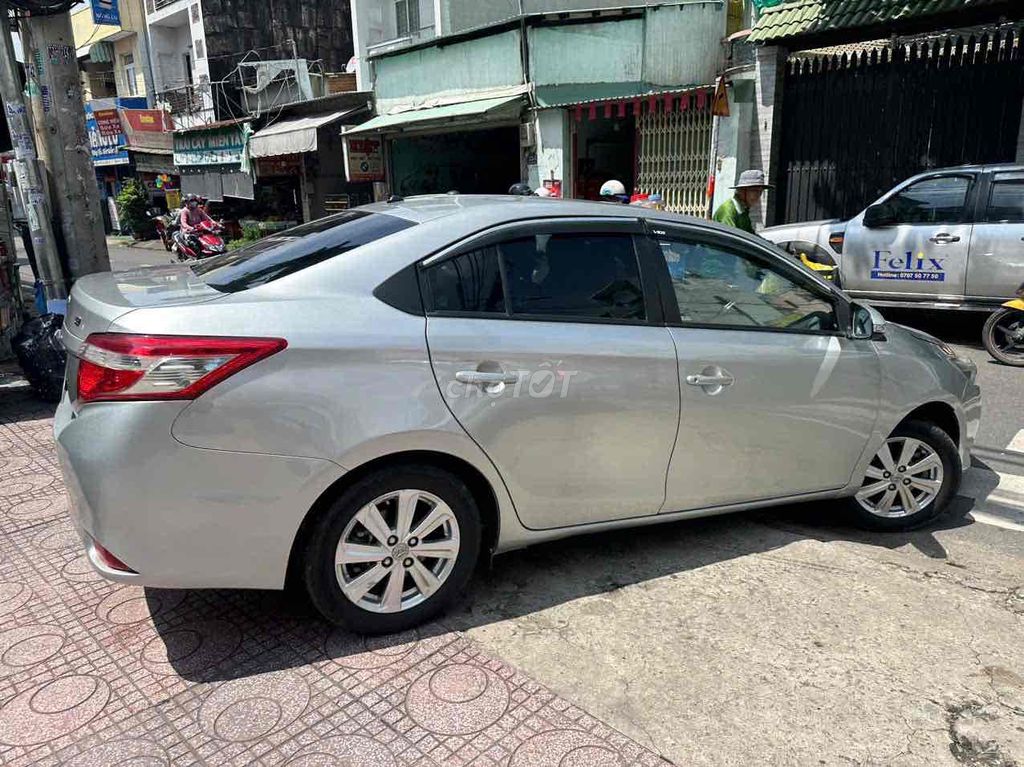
<point>40,7</point>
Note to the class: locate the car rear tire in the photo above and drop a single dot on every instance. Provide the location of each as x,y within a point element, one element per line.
<point>393,550</point>
<point>910,481</point>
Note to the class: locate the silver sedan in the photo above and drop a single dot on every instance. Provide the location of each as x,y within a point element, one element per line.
<point>370,403</point>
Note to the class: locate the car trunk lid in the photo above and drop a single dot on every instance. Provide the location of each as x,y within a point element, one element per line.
<point>99,299</point>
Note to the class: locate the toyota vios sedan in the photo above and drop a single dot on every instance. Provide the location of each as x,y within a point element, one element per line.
<point>370,403</point>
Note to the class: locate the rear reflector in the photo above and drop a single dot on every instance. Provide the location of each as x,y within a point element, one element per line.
<point>125,367</point>
<point>109,561</point>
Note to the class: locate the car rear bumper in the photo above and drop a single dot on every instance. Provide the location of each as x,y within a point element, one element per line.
<point>182,517</point>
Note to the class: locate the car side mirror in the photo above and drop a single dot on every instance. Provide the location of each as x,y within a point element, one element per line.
<point>879,215</point>
<point>864,323</point>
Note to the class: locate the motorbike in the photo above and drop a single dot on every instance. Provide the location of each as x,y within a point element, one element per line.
<point>165,224</point>
<point>205,242</point>
<point>1003,335</point>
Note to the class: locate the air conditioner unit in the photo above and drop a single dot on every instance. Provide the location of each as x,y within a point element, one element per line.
<point>527,134</point>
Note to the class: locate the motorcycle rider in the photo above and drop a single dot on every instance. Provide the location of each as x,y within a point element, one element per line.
<point>192,215</point>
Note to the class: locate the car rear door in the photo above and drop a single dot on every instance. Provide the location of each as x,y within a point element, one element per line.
<point>776,401</point>
<point>996,266</point>
<point>548,346</point>
<point>923,255</point>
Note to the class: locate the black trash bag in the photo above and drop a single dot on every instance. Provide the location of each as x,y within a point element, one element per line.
<point>41,355</point>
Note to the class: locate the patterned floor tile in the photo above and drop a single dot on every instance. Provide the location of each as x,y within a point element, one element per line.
<point>95,673</point>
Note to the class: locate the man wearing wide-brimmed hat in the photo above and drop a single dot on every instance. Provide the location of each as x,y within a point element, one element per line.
<point>736,211</point>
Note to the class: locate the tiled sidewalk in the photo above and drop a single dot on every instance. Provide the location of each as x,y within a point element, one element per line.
<point>97,674</point>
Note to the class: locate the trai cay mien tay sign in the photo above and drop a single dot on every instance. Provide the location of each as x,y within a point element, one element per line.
<point>214,146</point>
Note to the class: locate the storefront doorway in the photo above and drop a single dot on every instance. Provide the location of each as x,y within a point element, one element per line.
<point>470,162</point>
<point>605,149</point>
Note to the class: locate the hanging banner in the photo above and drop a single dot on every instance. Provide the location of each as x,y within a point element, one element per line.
<point>364,158</point>
<point>106,141</point>
<point>212,146</point>
<point>148,129</point>
<point>106,12</point>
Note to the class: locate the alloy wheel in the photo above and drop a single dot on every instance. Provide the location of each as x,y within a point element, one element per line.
<point>904,477</point>
<point>397,551</point>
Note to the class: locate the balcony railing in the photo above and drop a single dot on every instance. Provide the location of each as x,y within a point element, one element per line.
<point>184,100</point>
<point>152,6</point>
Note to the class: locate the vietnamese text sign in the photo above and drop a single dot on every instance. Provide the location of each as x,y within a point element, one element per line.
<point>364,158</point>
<point>215,146</point>
<point>106,12</point>
<point>106,141</point>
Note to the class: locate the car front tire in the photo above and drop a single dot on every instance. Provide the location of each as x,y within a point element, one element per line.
<point>393,550</point>
<point>910,481</point>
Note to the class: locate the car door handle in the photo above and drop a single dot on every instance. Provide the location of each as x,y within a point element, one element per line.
<point>720,379</point>
<point>944,239</point>
<point>485,379</point>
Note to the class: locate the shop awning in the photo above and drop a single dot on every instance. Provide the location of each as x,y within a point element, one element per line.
<point>507,106</point>
<point>292,136</point>
<point>549,96</point>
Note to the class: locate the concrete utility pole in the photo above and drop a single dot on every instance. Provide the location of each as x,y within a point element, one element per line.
<point>28,170</point>
<point>58,113</point>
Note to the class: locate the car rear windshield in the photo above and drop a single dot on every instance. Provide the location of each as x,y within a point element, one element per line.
<point>291,251</point>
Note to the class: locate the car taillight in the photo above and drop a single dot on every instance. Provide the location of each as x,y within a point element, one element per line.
<point>836,240</point>
<point>122,366</point>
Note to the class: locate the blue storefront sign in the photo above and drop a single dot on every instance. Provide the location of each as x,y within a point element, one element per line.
<point>106,12</point>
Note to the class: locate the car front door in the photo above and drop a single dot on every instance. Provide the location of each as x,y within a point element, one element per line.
<point>776,401</point>
<point>922,253</point>
<point>551,352</point>
<point>996,266</point>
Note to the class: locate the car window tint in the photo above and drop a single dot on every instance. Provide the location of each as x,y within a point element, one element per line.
<point>932,201</point>
<point>719,287</point>
<point>295,249</point>
<point>470,282</point>
<point>593,276</point>
<point>1006,203</point>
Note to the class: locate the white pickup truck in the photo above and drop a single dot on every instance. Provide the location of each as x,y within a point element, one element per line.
<point>945,239</point>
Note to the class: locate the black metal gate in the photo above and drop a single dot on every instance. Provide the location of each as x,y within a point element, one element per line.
<point>856,124</point>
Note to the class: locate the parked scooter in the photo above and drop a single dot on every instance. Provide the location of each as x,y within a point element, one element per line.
<point>205,242</point>
<point>1004,332</point>
<point>166,224</point>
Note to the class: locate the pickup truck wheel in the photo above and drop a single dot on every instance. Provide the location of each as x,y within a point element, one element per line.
<point>910,480</point>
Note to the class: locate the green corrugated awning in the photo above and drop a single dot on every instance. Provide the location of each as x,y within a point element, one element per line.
<point>587,93</point>
<point>507,106</point>
<point>805,17</point>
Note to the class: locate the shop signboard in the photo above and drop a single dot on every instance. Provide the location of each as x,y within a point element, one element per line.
<point>224,145</point>
<point>106,12</point>
<point>106,140</point>
<point>364,158</point>
<point>148,129</point>
<point>282,165</point>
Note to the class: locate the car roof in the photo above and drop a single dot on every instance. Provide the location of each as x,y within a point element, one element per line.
<point>992,167</point>
<point>428,207</point>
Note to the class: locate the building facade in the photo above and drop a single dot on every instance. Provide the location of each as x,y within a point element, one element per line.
<point>114,59</point>
<point>565,94</point>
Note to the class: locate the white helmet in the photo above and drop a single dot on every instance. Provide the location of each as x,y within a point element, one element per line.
<point>543,192</point>
<point>613,188</point>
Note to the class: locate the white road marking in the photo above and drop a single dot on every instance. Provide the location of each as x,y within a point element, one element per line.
<point>998,496</point>
<point>996,521</point>
<point>1017,443</point>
